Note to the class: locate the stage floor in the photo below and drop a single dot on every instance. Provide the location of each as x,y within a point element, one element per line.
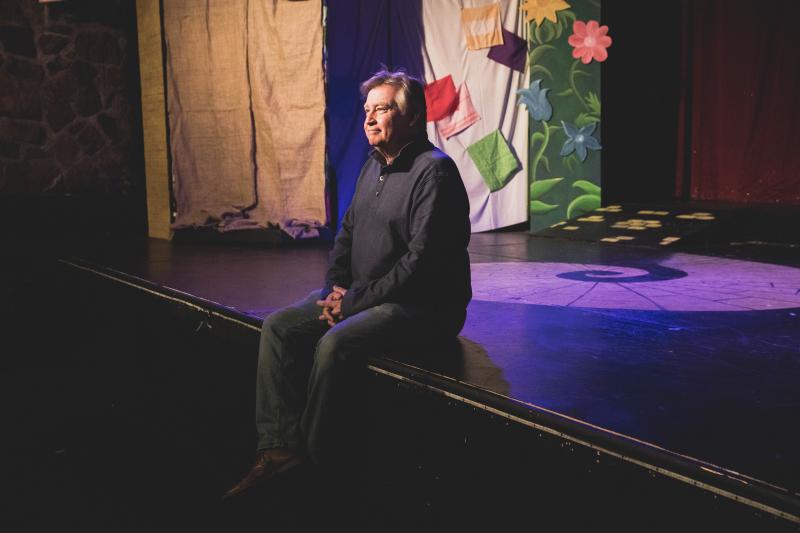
<point>696,354</point>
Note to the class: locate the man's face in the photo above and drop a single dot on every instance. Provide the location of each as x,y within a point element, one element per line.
<point>386,128</point>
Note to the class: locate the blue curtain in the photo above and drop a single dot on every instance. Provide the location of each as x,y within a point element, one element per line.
<point>362,35</point>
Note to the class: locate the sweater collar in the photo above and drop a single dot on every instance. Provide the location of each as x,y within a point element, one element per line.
<point>406,156</point>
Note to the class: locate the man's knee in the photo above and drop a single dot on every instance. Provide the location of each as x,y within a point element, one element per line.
<point>284,324</point>
<point>335,350</point>
<point>327,349</point>
<point>281,320</point>
<point>272,326</point>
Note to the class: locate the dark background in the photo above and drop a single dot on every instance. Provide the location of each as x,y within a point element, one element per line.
<point>71,156</point>
<point>699,103</point>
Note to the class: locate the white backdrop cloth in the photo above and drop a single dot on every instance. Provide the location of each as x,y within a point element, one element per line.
<point>493,88</point>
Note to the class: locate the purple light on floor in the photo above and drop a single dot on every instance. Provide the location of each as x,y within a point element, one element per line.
<point>683,282</point>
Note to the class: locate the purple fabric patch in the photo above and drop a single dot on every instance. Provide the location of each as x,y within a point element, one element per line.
<point>512,53</point>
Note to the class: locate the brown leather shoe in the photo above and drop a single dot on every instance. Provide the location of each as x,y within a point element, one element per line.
<point>268,464</point>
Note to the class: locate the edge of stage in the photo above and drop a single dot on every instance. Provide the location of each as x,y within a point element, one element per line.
<point>693,386</point>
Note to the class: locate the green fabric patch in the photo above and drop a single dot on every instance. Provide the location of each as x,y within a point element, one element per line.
<point>494,159</point>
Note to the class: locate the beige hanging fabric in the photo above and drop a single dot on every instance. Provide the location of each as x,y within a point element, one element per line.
<point>246,109</point>
<point>289,109</point>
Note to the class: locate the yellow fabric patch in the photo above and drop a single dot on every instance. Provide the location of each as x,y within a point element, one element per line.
<point>482,26</point>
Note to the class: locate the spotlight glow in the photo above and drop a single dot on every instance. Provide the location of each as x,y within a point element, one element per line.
<point>683,282</point>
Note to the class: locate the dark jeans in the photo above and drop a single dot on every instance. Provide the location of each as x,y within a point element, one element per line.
<point>307,370</point>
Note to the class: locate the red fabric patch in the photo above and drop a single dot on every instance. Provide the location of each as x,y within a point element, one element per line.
<point>441,98</point>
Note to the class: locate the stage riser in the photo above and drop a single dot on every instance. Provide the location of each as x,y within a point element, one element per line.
<point>435,462</point>
<point>462,466</point>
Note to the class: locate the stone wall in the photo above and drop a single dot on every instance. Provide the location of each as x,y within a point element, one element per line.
<point>70,122</point>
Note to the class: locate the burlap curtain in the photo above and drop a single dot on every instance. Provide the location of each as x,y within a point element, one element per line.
<point>246,107</point>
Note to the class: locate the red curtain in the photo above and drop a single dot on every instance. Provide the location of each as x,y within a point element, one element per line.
<point>741,135</point>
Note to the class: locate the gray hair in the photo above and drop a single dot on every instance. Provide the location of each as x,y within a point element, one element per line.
<point>410,97</point>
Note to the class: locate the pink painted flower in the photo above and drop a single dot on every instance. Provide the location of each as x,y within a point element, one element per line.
<point>589,41</point>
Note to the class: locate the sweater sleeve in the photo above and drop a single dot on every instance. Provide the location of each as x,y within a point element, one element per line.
<point>339,272</point>
<point>439,209</point>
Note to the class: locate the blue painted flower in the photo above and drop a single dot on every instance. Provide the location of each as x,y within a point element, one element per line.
<point>579,140</point>
<point>535,99</point>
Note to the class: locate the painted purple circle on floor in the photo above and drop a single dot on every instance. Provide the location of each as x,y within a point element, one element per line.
<point>710,284</point>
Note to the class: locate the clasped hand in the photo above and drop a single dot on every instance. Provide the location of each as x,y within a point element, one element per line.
<point>332,306</point>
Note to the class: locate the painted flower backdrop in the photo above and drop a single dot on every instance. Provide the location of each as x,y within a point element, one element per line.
<point>566,43</point>
<point>579,140</point>
<point>539,10</point>
<point>589,41</point>
<point>535,99</point>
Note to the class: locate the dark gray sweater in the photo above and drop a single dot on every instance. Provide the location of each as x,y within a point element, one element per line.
<point>404,237</point>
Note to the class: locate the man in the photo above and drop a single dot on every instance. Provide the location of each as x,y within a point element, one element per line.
<point>399,272</point>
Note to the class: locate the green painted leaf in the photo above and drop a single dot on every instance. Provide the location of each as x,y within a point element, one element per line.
<point>593,102</point>
<point>537,136</point>
<point>545,32</point>
<point>541,208</point>
<point>566,17</point>
<point>564,21</point>
<point>582,205</point>
<point>550,29</point>
<point>542,69</point>
<point>536,54</point>
<point>565,92</point>
<point>545,162</point>
<point>584,119</point>
<point>541,187</point>
<point>570,161</point>
<point>587,186</point>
